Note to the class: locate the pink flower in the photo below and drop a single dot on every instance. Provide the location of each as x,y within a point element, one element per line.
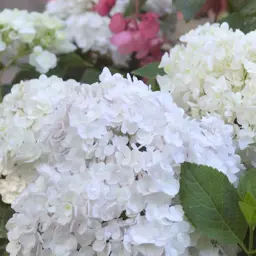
<point>123,41</point>
<point>149,26</point>
<point>117,23</point>
<point>137,36</point>
<point>104,6</point>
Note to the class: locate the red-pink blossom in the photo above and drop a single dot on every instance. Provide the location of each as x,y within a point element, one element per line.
<point>103,7</point>
<point>117,23</point>
<point>139,36</point>
<point>149,25</point>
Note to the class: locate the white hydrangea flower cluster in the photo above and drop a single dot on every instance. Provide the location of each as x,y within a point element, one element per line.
<point>22,116</point>
<point>108,164</point>
<point>214,72</point>
<point>161,7</point>
<point>66,8</point>
<point>35,34</point>
<point>91,32</point>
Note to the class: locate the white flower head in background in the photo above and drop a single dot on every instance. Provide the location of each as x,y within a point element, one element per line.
<point>23,33</point>
<point>66,8</point>
<point>214,72</point>
<point>107,176</point>
<point>42,60</point>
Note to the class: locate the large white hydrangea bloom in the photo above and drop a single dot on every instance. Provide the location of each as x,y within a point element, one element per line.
<point>35,34</point>
<point>214,72</point>
<point>106,161</point>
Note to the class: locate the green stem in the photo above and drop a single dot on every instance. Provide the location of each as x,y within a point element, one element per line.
<point>8,65</point>
<point>12,62</point>
<point>251,238</point>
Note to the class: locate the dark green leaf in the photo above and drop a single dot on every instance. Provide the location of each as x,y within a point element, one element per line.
<point>235,20</point>
<point>70,66</point>
<point>59,70</point>
<point>210,203</point>
<point>28,73</point>
<point>72,60</point>
<point>149,71</point>
<point>90,76</point>
<point>189,8</point>
<point>3,243</point>
<point>4,89</point>
<point>247,184</point>
<point>249,9</point>
<point>5,214</point>
<point>249,24</point>
<point>237,5</point>
<point>131,7</point>
<point>154,84</point>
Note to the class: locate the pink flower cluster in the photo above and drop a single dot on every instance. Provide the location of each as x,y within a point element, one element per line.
<point>138,35</point>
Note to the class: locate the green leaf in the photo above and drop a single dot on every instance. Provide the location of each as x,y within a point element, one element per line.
<point>247,184</point>
<point>249,8</point>
<point>210,203</point>
<point>3,243</point>
<point>26,74</point>
<point>149,71</point>
<point>70,66</point>
<point>90,76</point>
<point>189,8</point>
<point>4,89</point>
<point>248,208</point>
<point>154,84</point>
<point>235,20</point>
<point>131,7</point>
<point>249,213</point>
<point>72,60</point>
<point>249,24</point>
<point>5,214</point>
<point>237,5</point>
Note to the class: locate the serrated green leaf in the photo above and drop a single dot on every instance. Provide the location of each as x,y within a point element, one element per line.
<point>149,71</point>
<point>90,76</point>
<point>5,214</point>
<point>131,7</point>
<point>247,184</point>
<point>189,8</point>
<point>210,203</point>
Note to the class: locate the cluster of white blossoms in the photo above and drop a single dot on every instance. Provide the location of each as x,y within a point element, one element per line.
<point>66,8</point>
<point>214,72</point>
<point>106,164</point>
<point>36,35</point>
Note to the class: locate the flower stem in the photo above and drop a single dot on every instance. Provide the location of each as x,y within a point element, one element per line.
<point>251,238</point>
<point>137,6</point>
